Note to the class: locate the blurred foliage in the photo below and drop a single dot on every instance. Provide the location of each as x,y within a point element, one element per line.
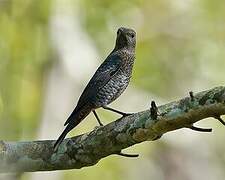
<point>181,47</point>
<point>24,51</point>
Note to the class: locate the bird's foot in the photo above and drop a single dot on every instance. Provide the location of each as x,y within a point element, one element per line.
<point>97,127</point>
<point>98,119</point>
<point>100,124</point>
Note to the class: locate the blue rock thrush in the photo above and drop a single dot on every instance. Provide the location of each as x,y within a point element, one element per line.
<point>108,83</point>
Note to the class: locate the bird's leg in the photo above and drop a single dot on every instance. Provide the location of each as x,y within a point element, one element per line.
<point>127,155</point>
<point>220,119</point>
<point>116,111</point>
<point>200,129</point>
<point>96,116</point>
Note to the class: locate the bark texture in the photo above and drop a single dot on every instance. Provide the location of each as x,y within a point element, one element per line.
<point>87,149</point>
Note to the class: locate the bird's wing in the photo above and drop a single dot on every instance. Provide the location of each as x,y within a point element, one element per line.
<point>103,74</point>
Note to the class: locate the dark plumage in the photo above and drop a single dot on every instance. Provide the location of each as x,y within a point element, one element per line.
<point>108,83</point>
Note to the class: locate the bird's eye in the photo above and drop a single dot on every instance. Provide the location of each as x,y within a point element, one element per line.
<point>132,35</point>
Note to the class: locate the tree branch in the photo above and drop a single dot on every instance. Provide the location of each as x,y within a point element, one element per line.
<point>88,149</point>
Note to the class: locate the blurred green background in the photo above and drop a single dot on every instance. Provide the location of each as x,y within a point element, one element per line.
<point>50,48</point>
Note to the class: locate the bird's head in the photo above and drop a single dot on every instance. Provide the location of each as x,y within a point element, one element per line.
<point>125,38</point>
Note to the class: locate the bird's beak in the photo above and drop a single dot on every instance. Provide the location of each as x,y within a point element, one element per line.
<point>119,32</point>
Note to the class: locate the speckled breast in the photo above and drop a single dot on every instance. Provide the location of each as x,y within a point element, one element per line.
<point>112,90</point>
<point>116,85</point>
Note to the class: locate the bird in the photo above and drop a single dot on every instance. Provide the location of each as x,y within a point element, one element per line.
<point>108,82</point>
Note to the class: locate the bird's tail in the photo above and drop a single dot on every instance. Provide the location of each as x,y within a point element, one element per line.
<point>74,119</point>
<point>62,136</point>
<point>68,128</point>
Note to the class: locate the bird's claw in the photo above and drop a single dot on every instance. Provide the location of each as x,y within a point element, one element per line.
<point>100,124</point>
<point>98,127</point>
